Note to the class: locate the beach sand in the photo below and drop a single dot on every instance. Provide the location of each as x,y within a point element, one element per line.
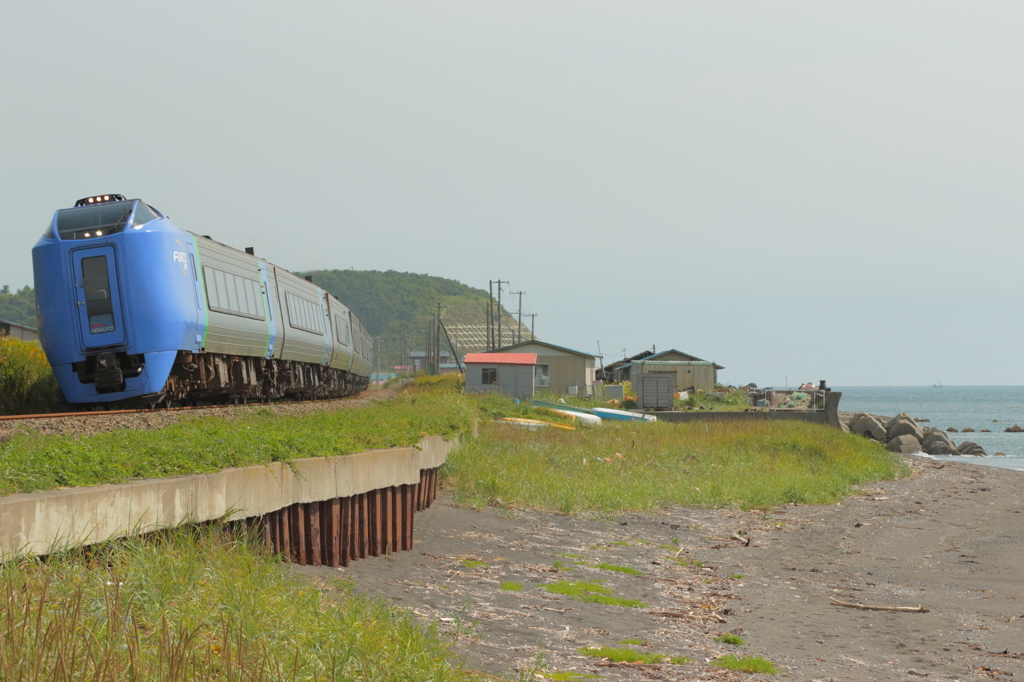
<point>949,538</point>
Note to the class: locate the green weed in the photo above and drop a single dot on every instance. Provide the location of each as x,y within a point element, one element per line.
<point>633,640</point>
<point>736,576</point>
<point>626,655</point>
<point>620,654</point>
<point>748,664</point>
<point>512,587</point>
<point>592,592</point>
<point>619,569</point>
<point>730,638</point>
<point>27,384</point>
<point>469,563</point>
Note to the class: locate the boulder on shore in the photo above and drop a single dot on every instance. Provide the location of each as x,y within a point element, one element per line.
<point>892,422</point>
<point>906,444</point>
<point>967,430</point>
<point>904,427</point>
<point>951,430</point>
<point>1013,429</point>
<point>999,454</point>
<point>940,448</point>
<point>971,448</point>
<point>865,425</point>
<point>936,437</point>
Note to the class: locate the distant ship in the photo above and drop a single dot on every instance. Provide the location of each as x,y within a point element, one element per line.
<point>937,385</point>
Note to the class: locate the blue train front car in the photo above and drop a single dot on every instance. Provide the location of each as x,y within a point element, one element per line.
<point>116,298</point>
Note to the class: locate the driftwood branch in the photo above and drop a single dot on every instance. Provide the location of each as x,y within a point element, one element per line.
<point>737,536</point>
<point>868,607</point>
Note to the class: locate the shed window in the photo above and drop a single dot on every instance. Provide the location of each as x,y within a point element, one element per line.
<point>232,294</point>
<point>541,377</point>
<point>489,376</point>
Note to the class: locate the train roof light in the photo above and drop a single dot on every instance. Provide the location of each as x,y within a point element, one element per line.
<point>99,199</point>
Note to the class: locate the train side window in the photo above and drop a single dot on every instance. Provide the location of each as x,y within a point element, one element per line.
<point>304,314</point>
<point>341,325</point>
<point>232,294</point>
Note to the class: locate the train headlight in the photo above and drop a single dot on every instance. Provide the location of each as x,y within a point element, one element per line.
<point>99,233</point>
<point>99,199</point>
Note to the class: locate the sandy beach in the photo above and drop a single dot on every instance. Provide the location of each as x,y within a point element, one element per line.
<point>949,538</point>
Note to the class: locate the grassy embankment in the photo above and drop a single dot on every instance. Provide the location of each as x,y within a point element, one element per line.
<point>640,467</point>
<point>185,605</point>
<point>31,462</point>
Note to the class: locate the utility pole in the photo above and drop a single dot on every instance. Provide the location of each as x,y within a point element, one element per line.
<point>533,323</point>
<point>519,330</point>
<point>500,282</point>
<point>437,338</point>
<point>490,314</point>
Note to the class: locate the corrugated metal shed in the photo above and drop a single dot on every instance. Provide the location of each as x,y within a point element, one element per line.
<point>699,375</point>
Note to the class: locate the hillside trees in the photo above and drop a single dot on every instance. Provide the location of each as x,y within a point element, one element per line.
<point>18,306</point>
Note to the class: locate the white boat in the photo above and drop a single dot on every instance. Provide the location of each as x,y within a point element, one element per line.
<point>581,417</point>
<point>623,415</point>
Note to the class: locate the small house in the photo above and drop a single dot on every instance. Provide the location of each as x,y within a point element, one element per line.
<point>508,373</point>
<point>559,370</point>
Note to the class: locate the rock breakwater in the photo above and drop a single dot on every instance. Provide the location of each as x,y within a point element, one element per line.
<point>903,434</point>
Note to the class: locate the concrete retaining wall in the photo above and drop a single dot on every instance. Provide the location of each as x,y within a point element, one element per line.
<point>38,523</point>
<point>829,416</point>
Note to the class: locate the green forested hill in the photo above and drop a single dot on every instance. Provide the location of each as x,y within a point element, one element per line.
<point>397,305</point>
<point>18,306</point>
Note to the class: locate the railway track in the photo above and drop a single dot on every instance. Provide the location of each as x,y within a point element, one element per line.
<point>142,410</point>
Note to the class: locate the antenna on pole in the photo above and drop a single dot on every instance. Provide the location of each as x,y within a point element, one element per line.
<point>519,330</point>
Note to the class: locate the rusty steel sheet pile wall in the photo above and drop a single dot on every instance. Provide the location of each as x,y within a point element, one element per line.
<point>326,510</point>
<point>340,530</point>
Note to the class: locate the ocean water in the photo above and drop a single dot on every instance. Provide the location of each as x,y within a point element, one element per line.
<point>979,407</point>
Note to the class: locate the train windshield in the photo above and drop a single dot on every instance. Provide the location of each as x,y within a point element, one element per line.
<point>87,222</point>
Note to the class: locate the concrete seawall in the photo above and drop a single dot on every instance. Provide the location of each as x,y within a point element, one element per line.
<point>829,416</point>
<point>268,495</point>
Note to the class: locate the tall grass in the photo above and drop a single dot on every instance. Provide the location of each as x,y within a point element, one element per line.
<point>27,384</point>
<point>187,606</point>
<point>640,467</point>
<point>31,462</point>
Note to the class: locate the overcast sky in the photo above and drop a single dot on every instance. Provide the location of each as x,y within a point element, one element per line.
<point>791,189</point>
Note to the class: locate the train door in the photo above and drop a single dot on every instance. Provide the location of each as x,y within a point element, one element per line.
<point>97,297</point>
